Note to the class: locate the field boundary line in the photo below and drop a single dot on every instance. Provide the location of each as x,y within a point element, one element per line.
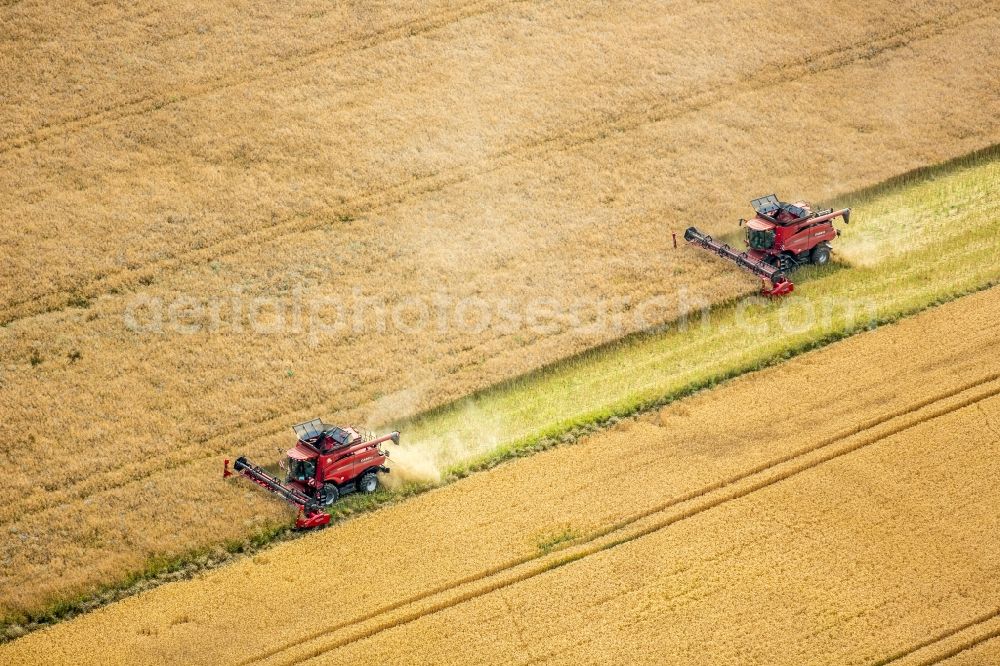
<point>580,134</point>
<point>944,635</point>
<point>595,542</point>
<point>235,78</point>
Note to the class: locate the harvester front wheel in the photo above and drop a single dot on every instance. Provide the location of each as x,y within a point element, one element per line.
<point>328,494</point>
<point>782,262</point>
<point>368,483</point>
<point>820,255</point>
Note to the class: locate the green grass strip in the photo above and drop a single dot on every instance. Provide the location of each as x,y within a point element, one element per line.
<point>929,239</point>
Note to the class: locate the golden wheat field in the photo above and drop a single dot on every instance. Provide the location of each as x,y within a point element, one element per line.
<point>178,174</point>
<point>836,565</point>
<point>700,533</point>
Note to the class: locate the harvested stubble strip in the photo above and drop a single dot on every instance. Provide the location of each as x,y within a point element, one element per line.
<point>493,519</point>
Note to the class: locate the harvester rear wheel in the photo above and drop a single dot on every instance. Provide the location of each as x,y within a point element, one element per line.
<point>820,255</point>
<point>328,494</point>
<point>368,483</point>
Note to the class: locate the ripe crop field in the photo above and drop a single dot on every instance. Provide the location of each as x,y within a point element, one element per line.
<point>198,160</point>
<point>859,560</point>
<point>855,537</point>
<point>954,205</point>
<point>390,105</point>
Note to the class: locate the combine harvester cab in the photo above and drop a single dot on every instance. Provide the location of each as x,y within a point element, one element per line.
<point>780,238</point>
<point>326,462</point>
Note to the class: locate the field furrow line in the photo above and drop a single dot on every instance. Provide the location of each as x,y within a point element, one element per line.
<point>962,648</point>
<point>630,529</point>
<point>643,112</point>
<point>148,103</point>
<point>938,638</point>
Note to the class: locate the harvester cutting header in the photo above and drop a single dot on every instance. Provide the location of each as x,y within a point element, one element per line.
<point>780,238</point>
<point>326,462</point>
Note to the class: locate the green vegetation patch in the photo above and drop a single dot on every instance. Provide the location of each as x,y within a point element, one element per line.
<point>928,239</point>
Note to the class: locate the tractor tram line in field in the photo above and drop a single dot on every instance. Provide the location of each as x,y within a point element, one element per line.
<point>941,640</point>
<point>957,651</point>
<point>655,111</point>
<point>109,114</point>
<point>633,528</point>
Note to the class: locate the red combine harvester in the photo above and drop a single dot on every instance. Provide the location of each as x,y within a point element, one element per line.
<point>326,462</point>
<point>780,238</point>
